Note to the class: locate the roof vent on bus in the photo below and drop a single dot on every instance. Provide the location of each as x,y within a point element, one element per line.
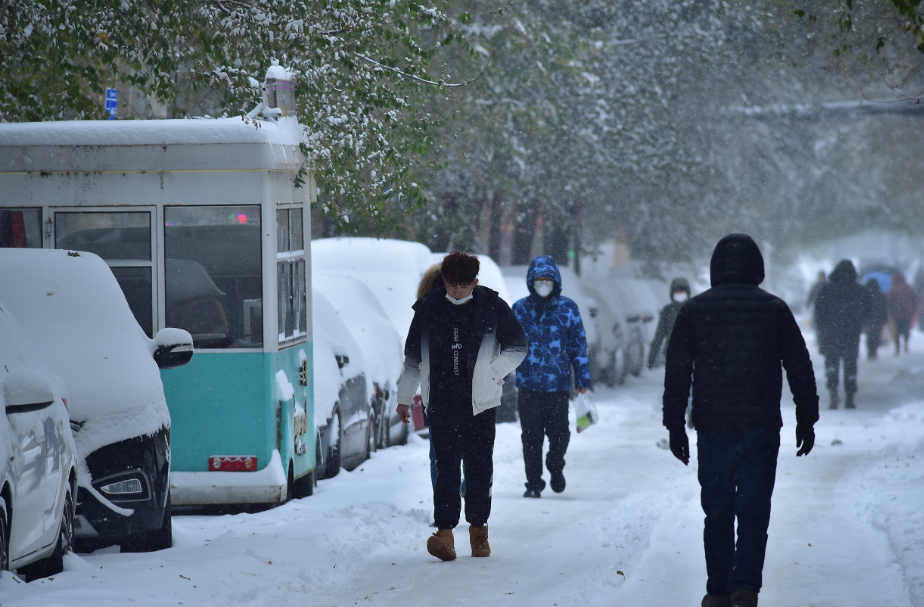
<point>278,94</point>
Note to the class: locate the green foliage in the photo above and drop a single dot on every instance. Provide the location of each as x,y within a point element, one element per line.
<point>358,65</point>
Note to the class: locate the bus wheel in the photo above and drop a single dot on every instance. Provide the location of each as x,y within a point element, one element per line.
<point>304,486</point>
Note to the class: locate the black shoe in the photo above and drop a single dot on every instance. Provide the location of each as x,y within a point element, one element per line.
<point>558,482</point>
<point>532,493</point>
<point>849,402</point>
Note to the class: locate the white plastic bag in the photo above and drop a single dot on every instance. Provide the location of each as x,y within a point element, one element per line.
<point>585,411</point>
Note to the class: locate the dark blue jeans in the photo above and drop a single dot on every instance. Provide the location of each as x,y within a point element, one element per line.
<point>737,470</point>
<point>433,467</point>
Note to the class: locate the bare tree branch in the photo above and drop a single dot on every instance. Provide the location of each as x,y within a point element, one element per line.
<point>424,80</point>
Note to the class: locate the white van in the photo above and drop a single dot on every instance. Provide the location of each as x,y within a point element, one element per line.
<point>72,309</point>
<point>38,465</point>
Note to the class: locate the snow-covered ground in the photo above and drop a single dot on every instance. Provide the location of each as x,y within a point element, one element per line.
<point>847,526</point>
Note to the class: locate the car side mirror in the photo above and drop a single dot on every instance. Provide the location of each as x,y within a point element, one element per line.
<point>342,360</point>
<point>172,348</point>
<point>27,390</point>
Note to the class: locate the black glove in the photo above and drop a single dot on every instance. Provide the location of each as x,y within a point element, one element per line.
<point>805,438</point>
<point>680,445</point>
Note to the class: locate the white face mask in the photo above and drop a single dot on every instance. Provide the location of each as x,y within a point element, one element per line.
<point>543,288</point>
<point>680,297</point>
<point>458,302</point>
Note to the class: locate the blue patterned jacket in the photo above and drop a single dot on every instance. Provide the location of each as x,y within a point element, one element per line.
<point>553,327</point>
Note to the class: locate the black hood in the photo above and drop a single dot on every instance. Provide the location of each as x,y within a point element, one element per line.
<point>844,272</point>
<point>736,259</point>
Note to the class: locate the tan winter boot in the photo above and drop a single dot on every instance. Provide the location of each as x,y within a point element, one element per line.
<point>744,598</point>
<point>479,539</point>
<point>442,545</point>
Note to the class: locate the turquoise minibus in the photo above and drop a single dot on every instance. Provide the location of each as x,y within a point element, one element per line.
<point>204,228</point>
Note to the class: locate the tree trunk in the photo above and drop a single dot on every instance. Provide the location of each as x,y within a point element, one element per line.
<point>494,233</point>
<point>556,238</point>
<point>524,230</point>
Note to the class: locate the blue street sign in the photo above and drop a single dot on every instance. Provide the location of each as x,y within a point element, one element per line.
<point>112,103</point>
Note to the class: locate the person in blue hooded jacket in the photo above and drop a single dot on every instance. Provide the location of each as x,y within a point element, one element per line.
<point>557,346</point>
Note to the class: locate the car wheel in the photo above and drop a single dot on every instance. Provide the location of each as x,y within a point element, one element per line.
<point>383,429</point>
<point>405,432</point>
<point>372,436</point>
<point>54,564</point>
<point>152,541</point>
<point>332,467</point>
<point>4,537</point>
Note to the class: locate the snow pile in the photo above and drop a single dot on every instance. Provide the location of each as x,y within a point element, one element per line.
<point>73,311</point>
<point>331,339</point>
<point>285,131</point>
<point>284,389</point>
<point>363,315</point>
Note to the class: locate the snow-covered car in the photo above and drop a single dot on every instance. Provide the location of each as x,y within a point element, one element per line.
<point>515,278</point>
<point>626,313</point>
<point>381,346</point>
<point>38,470</point>
<point>392,270</point>
<point>73,310</point>
<point>342,411</point>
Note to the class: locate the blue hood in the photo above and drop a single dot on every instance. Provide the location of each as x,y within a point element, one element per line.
<point>545,266</point>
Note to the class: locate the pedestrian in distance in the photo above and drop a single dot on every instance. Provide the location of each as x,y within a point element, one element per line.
<point>730,343</point>
<point>878,317</point>
<point>816,288</point>
<point>841,310</point>
<point>903,305</point>
<point>461,344</point>
<point>680,292</point>
<point>557,348</point>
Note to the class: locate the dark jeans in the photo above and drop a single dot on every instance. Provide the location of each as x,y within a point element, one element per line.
<point>873,341</point>
<point>450,439</point>
<point>737,470</point>
<point>543,414</point>
<point>433,473</point>
<point>832,371</point>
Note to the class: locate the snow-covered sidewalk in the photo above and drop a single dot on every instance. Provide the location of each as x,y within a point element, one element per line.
<point>846,527</point>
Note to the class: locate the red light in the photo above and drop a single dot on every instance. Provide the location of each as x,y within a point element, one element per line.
<point>233,463</point>
<point>242,219</point>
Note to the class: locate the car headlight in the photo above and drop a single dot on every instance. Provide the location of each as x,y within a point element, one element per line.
<point>131,485</point>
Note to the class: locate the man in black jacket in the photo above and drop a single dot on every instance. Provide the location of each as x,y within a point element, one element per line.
<point>842,307</point>
<point>463,341</point>
<point>731,341</point>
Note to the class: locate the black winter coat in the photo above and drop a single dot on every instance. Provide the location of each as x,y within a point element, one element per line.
<point>731,341</point>
<point>842,308</point>
<point>878,311</point>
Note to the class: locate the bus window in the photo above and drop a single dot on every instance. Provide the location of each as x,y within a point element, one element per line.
<point>290,275</point>
<point>213,271</point>
<point>123,240</point>
<point>21,229</point>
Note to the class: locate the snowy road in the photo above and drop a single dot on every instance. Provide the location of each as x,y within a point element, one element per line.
<point>846,527</point>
